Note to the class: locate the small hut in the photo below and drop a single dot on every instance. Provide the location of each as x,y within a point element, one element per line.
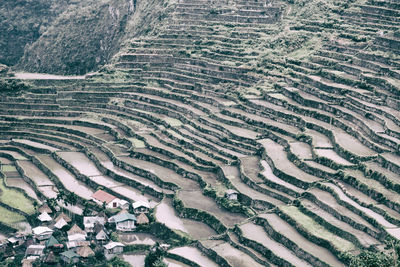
<point>142,219</point>
<point>85,252</point>
<point>45,208</point>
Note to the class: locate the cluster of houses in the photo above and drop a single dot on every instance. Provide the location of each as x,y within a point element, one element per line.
<point>77,244</point>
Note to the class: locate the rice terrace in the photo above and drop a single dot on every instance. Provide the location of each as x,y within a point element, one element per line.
<point>200,133</point>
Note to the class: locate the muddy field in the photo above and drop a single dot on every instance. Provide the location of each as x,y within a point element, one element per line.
<point>255,141</point>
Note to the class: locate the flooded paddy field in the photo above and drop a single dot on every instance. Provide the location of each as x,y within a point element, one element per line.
<point>166,214</point>
<point>234,256</point>
<point>67,178</point>
<point>288,231</point>
<point>258,234</point>
<point>194,255</point>
<point>246,152</point>
<point>134,259</point>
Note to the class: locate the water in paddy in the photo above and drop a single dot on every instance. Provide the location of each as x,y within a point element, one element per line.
<point>166,214</point>
<point>135,260</point>
<point>138,238</point>
<point>258,234</point>
<point>195,255</point>
<point>66,178</point>
<point>174,263</point>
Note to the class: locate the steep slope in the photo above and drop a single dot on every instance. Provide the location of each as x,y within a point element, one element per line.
<point>87,35</point>
<point>293,104</point>
<point>22,22</point>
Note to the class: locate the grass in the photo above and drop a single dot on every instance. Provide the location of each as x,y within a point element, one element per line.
<point>8,168</point>
<point>316,229</point>
<point>173,122</point>
<point>15,199</point>
<point>137,143</point>
<point>9,217</point>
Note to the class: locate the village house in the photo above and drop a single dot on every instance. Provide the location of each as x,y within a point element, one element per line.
<point>232,194</point>
<point>101,236</point>
<point>34,251</point>
<point>76,237</point>
<point>42,232</point>
<point>60,223</point>
<point>111,201</point>
<point>64,216</point>
<point>142,219</point>
<point>61,220</point>
<point>112,249</point>
<point>70,257</point>
<point>27,263</point>
<point>141,207</point>
<point>51,242</point>
<point>16,240</point>
<point>76,234</point>
<point>74,245</point>
<point>54,244</point>
<point>123,204</point>
<point>45,208</point>
<point>50,258</point>
<point>44,217</point>
<point>85,252</point>
<point>90,221</point>
<point>123,221</point>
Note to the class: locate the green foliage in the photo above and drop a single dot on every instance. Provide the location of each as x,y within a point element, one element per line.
<point>86,35</point>
<point>372,259</point>
<point>114,237</point>
<point>159,263</point>
<point>12,86</point>
<point>15,199</point>
<point>22,22</point>
<point>154,258</point>
<point>117,262</point>
<point>71,45</point>
<point>16,262</point>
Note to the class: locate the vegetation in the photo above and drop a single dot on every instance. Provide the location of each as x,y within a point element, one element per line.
<point>10,218</point>
<point>22,22</point>
<point>182,91</point>
<point>12,86</point>
<point>86,35</point>
<point>373,259</point>
<point>313,227</point>
<point>15,199</point>
<point>154,257</point>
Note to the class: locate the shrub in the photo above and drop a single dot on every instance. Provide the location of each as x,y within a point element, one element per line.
<point>11,85</point>
<point>372,259</point>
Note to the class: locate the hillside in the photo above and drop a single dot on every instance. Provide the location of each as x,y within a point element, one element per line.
<point>261,133</point>
<point>21,24</point>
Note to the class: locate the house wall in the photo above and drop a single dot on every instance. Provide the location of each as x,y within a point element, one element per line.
<point>232,197</point>
<point>43,236</point>
<point>142,209</point>
<point>118,250</point>
<point>126,225</point>
<point>113,204</point>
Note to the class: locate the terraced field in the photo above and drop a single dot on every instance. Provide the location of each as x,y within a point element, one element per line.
<point>298,113</point>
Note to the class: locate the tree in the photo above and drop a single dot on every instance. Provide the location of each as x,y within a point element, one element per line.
<point>372,259</point>
<point>159,263</point>
<point>114,237</point>
<point>60,194</point>
<point>72,198</point>
<point>52,203</point>
<point>155,256</point>
<point>117,262</point>
<point>86,209</point>
<point>35,205</point>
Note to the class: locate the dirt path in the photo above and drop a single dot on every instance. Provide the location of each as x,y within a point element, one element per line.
<point>44,76</point>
